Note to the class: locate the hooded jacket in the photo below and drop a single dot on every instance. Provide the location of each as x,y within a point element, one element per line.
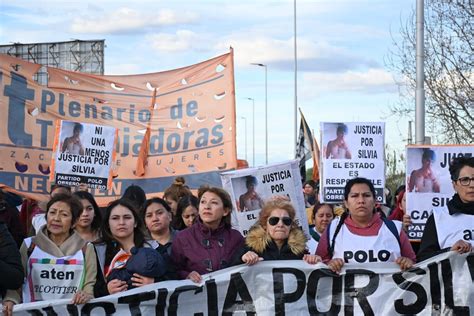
<point>260,242</point>
<point>203,250</point>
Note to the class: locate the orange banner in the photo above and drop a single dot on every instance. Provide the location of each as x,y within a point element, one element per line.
<point>189,127</point>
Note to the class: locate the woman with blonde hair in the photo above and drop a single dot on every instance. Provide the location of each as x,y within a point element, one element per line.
<point>275,236</point>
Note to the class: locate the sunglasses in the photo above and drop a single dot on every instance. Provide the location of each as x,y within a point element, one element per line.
<point>274,220</point>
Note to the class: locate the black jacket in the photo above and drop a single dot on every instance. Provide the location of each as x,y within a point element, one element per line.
<point>10,262</point>
<point>429,245</point>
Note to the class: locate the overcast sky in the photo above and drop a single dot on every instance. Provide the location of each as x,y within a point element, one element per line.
<point>342,46</point>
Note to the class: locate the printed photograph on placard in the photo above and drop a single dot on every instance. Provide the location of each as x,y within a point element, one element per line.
<point>71,138</point>
<point>251,188</point>
<point>336,145</point>
<point>247,197</point>
<point>424,175</point>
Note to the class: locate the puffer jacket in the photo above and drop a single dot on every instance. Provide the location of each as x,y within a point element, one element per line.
<point>203,250</point>
<point>260,242</point>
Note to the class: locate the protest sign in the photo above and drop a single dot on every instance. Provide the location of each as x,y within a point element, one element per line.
<point>250,188</point>
<point>351,150</point>
<point>429,185</point>
<point>83,153</point>
<point>442,285</point>
<point>188,114</point>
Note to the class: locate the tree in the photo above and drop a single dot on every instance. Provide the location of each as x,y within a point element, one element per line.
<point>449,71</point>
<point>394,169</point>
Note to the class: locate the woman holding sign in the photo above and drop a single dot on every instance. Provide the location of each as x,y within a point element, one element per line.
<point>275,237</point>
<point>210,243</point>
<point>453,229</point>
<point>361,235</point>
<point>58,262</point>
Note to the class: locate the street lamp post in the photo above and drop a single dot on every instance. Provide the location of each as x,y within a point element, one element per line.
<point>245,124</point>
<point>266,110</point>
<point>253,130</point>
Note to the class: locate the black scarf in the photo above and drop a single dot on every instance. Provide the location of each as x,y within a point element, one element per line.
<point>455,205</point>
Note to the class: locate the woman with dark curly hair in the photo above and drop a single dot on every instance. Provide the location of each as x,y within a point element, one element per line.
<point>451,229</point>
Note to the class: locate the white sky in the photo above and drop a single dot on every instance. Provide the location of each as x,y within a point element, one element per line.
<point>342,45</point>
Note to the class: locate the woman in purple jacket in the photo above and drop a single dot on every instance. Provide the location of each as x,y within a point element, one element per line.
<point>210,243</point>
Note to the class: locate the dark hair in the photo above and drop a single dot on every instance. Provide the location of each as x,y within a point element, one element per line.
<point>457,164</point>
<point>311,183</point>
<point>341,128</point>
<point>183,203</point>
<point>223,195</point>
<point>97,220</point>
<point>138,231</point>
<point>72,201</point>
<point>59,186</point>
<point>350,184</point>
<point>136,195</point>
<point>78,127</point>
<point>112,246</point>
<point>428,154</point>
<point>176,190</point>
<point>318,206</point>
<point>249,180</point>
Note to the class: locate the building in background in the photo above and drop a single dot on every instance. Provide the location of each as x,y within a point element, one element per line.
<point>77,55</point>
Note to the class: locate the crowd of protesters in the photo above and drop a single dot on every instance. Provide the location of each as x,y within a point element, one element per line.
<point>77,251</point>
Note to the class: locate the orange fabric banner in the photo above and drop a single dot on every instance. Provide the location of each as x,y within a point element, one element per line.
<point>188,126</point>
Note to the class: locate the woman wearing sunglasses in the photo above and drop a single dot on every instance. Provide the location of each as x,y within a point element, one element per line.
<point>452,229</point>
<point>275,237</point>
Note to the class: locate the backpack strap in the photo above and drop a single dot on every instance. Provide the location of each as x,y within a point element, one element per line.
<point>331,242</point>
<point>31,247</point>
<point>393,229</point>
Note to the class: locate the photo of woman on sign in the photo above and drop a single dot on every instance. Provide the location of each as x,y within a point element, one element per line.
<point>250,200</point>
<point>73,144</point>
<point>337,148</point>
<point>424,180</point>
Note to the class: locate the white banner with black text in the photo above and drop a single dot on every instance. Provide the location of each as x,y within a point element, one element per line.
<point>441,285</point>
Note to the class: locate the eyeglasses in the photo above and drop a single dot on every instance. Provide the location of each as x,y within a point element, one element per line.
<point>465,181</point>
<point>274,220</point>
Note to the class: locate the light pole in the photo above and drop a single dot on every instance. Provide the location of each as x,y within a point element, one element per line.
<point>245,124</point>
<point>266,110</point>
<point>253,130</point>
